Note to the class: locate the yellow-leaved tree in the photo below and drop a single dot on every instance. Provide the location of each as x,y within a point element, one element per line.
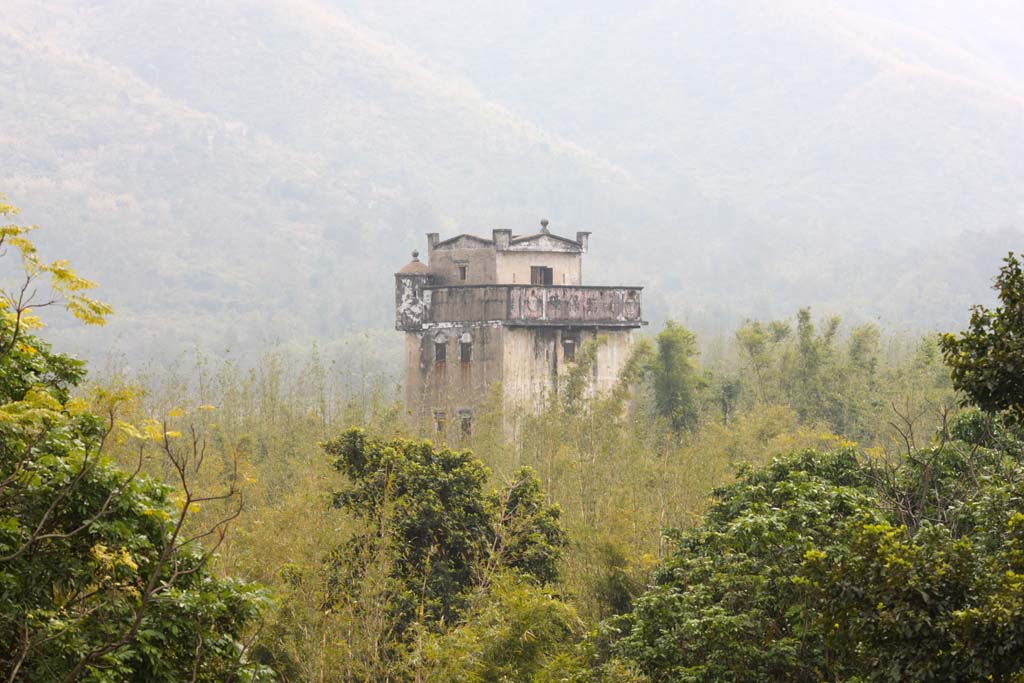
<point>103,574</point>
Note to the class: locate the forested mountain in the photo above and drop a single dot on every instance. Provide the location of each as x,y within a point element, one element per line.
<point>245,172</point>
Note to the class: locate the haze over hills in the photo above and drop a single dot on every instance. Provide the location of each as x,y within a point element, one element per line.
<point>243,172</point>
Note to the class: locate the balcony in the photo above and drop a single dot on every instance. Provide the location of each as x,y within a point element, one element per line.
<point>533,305</point>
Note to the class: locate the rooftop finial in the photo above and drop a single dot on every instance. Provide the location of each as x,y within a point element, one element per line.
<point>415,255</point>
<point>544,226</point>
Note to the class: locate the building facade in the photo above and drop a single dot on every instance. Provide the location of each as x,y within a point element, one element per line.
<point>503,318</point>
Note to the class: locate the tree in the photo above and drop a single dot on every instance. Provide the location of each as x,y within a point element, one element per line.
<point>102,576</point>
<point>725,606</point>
<point>675,378</point>
<point>758,342</point>
<point>515,632</point>
<point>834,567</point>
<point>987,359</point>
<point>429,521</point>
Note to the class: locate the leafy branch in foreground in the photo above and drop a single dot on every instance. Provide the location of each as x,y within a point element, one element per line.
<point>102,576</point>
<point>64,284</point>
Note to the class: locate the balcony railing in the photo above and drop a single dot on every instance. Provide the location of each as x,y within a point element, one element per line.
<point>533,305</point>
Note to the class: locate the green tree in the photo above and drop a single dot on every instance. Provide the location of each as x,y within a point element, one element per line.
<point>759,342</point>
<point>429,520</point>
<point>676,382</point>
<point>725,606</point>
<point>102,575</point>
<point>834,567</point>
<point>514,632</point>
<point>987,359</point>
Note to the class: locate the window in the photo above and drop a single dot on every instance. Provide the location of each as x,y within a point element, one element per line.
<point>440,351</point>
<point>569,350</point>
<point>466,422</point>
<point>541,275</point>
<point>466,351</point>
<point>440,423</point>
<point>462,273</point>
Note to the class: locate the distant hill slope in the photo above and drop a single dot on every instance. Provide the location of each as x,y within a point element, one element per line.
<point>227,195</point>
<point>240,172</point>
<point>813,115</point>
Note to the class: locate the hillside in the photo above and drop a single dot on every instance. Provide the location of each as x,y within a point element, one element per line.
<point>813,116</point>
<point>241,173</point>
<point>250,224</point>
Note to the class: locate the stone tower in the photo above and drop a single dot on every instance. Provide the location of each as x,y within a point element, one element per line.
<point>508,312</point>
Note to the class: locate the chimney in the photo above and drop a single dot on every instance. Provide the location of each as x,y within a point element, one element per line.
<point>432,239</point>
<point>502,238</point>
<point>584,239</point>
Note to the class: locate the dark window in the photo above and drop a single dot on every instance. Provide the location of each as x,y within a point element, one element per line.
<point>569,350</point>
<point>466,351</point>
<point>462,273</point>
<point>466,420</point>
<point>440,423</point>
<point>440,352</point>
<point>541,275</point>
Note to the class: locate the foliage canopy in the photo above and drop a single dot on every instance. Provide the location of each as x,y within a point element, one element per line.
<point>101,577</point>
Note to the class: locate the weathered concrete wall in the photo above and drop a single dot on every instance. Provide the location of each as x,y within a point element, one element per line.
<point>513,267</point>
<point>478,258</point>
<point>531,361</point>
<point>453,385</point>
<point>542,241</point>
<point>469,304</point>
<point>535,363</point>
<point>611,356</point>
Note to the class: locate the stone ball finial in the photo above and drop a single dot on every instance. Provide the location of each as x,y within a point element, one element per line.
<point>415,254</point>
<point>544,225</point>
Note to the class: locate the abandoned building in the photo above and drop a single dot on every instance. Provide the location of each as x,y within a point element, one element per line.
<point>503,318</point>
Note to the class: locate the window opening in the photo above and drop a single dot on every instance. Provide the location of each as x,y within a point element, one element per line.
<point>541,275</point>
<point>439,421</point>
<point>462,273</point>
<point>466,351</point>
<point>466,422</point>
<point>440,352</point>
<point>569,350</point>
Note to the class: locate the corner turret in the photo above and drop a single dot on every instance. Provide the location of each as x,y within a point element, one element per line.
<point>411,301</point>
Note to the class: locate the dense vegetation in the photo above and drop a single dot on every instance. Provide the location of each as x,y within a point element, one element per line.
<point>808,503</point>
<point>103,577</point>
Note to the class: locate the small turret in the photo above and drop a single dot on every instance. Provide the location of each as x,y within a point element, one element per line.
<point>411,302</point>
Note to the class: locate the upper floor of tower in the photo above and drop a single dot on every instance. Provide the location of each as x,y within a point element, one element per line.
<point>514,280</point>
<point>540,258</point>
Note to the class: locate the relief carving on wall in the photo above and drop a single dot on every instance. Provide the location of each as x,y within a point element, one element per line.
<point>632,305</point>
<point>570,303</point>
<point>575,306</point>
<point>615,305</point>
<point>534,304</point>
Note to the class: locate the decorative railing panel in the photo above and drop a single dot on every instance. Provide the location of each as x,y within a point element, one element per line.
<point>588,305</point>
